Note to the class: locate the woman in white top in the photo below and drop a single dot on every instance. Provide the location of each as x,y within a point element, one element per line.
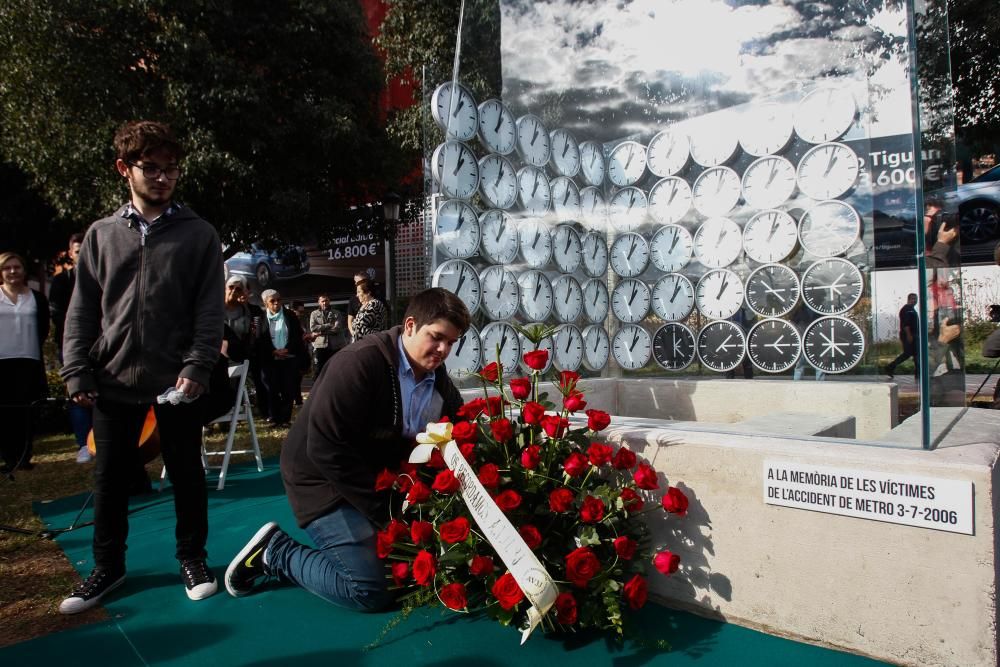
<point>24,326</point>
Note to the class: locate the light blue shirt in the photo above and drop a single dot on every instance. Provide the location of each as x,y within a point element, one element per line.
<point>421,404</point>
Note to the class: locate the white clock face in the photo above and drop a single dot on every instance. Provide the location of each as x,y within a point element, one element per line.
<point>630,301</point>
<point>770,236</point>
<point>536,243</point>
<point>833,344</point>
<point>670,200</point>
<point>536,295</point>
<point>715,142</point>
<point>768,182</point>
<point>673,346</point>
<point>533,190</point>
<point>568,348</point>
<point>766,129</point>
<point>532,140</point>
<point>825,114</point>
<point>500,343</point>
<point>595,255</point>
<point>628,209</point>
<point>592,164</point>
<point>595,300</point>
<point>671,248</point>
<point>721,346</point>
<point>668,153</point>
<point>454,110</point>
<point>594,207</point>
<point>456,228</point>
<point>829,228</point>
<point>567,298</point>
<point>673,297</point>
<point>773,345</point>
<point>596,347</point>
<point>827,171</point>
<point>626,163</point>
<point>629,255</point>
<point>716,191</point>
<point>565,153</point>
<point>544,344</point>
<point>719,294</point>
<point>772,290</point>
<point>455,169</point>
<point>832,286</point>
<point>496,127</point>
<point>499,236</point>
<point>466,354</point>
<point>632,347</point>
<point>565,198</point>
<point>718,242</point>
<point>501,293</point>
<point>567,250</point>
<point>458,276</point>
<point>497,181</point>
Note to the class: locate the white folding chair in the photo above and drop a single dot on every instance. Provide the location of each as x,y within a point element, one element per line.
<point>239,412</point>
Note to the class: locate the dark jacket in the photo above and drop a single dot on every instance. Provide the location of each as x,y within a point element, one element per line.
<point>60,291</point>
<point>295,345</point>
<point>146,308</point>
<point>351,428</point>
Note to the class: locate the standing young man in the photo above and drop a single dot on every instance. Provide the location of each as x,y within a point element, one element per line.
<point>330,328</point>
<point>145,317</point>
<point>362,416</point>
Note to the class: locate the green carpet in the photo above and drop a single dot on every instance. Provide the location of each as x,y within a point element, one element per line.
<point>153,622</point>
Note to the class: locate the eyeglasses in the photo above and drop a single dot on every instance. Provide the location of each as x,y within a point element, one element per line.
<point>153,171</point>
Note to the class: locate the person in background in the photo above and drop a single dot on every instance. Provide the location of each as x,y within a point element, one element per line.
<point>909,327</point>
<point>372,315</point>
<point>246,320</point>
<point>744,319</point>
<point>991,346</point>
<point>283,355</point>
<point>353,304</point>
<point>24,326</point>
<point>308,336</point>
<point>330,330</point>
<point>801,319</point>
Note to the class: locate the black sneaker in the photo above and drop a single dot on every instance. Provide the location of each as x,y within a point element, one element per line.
<point>248,565</point>
<point>89,592</point>
<point>199,582</point>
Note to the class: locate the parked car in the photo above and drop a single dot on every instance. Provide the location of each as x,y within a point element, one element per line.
<point>266,263</point>
<point>978,203</point>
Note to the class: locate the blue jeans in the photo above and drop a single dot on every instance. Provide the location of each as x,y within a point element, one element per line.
<point>343,568</point>
<point>81,421</point>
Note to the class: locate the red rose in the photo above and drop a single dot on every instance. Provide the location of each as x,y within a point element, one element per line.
<point>625,547</point>
<point>472,409</point>
<point>400,571</point>
<point>453,596</point>
<point>383,544</point>
<point>507,592</point>
<point>581,566</point>
<point>385,480</point>
<point>554,425</point>
<point>407,475</point>
<point>468,450</point>
<point>592,510</point>
<point>532,413</point>
<point>624,459</point>
<point>491,371</point>
<point>597,420</point>
<point>531,456</point>
<point>494,406</point>
<point>436,461</point>
<point>454,531</point>
<point>561,500</point>
<point>567,381</point>
<point>424,568</point>
<point>508,500</point>
<point>530,535</point>
<point>536,359</point>
<point>645,477</point>
<point>481,566</point>
<point>576,464</point>
<point>667,562</point>
<point>631,500</point>
<point>565,609</point>
<point>674,501</point>
<point>599,453</point>
<point>636,591</point>
<point>574,402</point>
<point>418,493</point>
<point>502,429</point>
<point>397,530</point>
<point>421,531</point>
<point>520,388</point>
<point>489,476</point>
<point>463,432</point>
<point>445,483</point>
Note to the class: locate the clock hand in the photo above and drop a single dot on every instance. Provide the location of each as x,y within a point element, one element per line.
<point>461,344</point>
<point>461,221</point>
<point>569,240</point>
<point>503,223</point>
<point>630,251</point>
<point>500,289</point>
<point>677,289</point>
<point>677,237</point>
<point>538,235</point>
<point>774,172</point>
<point>597,341</point>
<point>629,160</point>
<point>499,176</point>
<point>566,197</point>
<point>722,235</point>
<point>635,339</point>
<point>499,122</point>
<point>631,202</point>
<point>594,255</point>
<point>593,157</point>
<point>461,103</point>
<point>635,292</point>
<point>767,288</point>
<point>722,289</point>
<point>461,281</point>
<point>566,300</point>
<point>538,286</point>
<point>596,295</point>
<point>833,161</point>
<point>534,187</point>
<point>569,341</point>
<point>503,342</point>
<point>725,344</point>
<point>565,147</point>
<point>461,161</point>
<point>774,228</point>
<point>718,185</point>
<point>535,135</point>
<point>777,344</point>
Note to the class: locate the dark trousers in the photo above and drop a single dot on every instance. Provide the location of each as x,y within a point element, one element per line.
<point>282,379</point>
<point>323,355</point>
<point>906,354</point>
<point>117,427</point>
<point>23,384</point>
<point>261,401</point>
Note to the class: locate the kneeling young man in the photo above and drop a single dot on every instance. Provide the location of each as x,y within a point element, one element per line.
<point>362,416</point>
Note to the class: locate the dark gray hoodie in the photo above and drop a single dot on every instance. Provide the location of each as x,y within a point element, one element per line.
<point>147,308</point>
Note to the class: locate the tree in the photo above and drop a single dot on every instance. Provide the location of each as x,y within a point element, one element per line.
<point>275,101</point>
<point>974,30</point>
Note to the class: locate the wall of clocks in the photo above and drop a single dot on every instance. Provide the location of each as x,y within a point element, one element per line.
<point>725,236</point>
